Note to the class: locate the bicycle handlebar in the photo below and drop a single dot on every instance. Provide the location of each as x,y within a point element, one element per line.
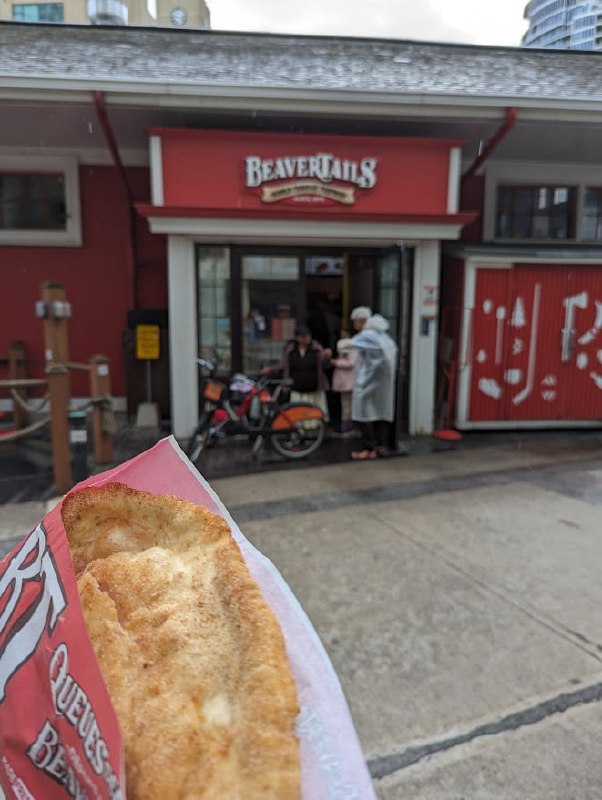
<point>277,381</point>
<point>210,365</point>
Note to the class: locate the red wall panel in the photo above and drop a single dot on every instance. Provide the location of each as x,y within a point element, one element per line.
<point>582,319</point>
<point>536,344</point>
<point>96,277</point>
<point>472,198</point>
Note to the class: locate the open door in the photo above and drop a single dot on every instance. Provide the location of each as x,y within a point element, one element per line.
<point>382,279</point>
<point>392,299</point>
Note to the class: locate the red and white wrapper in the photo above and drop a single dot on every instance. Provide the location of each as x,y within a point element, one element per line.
<point>59,737</point>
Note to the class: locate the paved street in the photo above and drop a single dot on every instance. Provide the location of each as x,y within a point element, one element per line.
<point>459,596</point>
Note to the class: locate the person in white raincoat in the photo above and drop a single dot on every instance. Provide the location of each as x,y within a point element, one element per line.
<point>373,401</point>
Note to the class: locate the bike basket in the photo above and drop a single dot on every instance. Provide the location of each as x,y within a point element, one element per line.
<point>294,414</point>
<point>213,390</point>
<point>242,384</point>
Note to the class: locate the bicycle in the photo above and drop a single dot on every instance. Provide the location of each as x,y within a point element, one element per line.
<point>243,406</point>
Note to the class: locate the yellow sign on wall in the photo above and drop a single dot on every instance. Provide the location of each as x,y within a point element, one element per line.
<point>147,342</point>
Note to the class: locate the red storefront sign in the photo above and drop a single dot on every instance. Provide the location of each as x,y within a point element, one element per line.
<point>536,344</point>
<point>224,172</point>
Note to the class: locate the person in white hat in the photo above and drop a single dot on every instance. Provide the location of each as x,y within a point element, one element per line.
<point>359,316</point>
<point>373,400</point>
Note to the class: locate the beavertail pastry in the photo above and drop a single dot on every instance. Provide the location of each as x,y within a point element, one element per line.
<point>192,656</point>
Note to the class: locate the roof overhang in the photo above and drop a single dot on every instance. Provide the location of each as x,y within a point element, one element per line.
<point>204,226</point>
<point>316,102</point>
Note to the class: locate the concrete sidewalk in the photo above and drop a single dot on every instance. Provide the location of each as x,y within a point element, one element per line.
<point>458,595</point>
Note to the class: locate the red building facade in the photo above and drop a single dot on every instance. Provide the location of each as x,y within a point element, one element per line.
<point>166,188</point>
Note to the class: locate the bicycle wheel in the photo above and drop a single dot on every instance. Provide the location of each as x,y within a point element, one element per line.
<point>299,440</point>
<point>198,440</point>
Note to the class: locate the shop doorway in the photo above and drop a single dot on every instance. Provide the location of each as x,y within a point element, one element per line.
<point>251,299</point>
<point>382,280</point>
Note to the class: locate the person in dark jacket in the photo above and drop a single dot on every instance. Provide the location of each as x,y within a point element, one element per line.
<point>303,360</point>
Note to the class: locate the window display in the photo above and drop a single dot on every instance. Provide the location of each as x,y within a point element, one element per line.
<point>214,304</point>
<point>269,308</point>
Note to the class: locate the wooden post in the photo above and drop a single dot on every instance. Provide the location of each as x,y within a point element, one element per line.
<point>58,387</point>
<point>57,312</point>
<point>17,370</point>
<point>100,384</point>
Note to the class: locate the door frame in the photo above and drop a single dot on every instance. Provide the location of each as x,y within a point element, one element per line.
<point>473,263</point>
<point>184,379</point>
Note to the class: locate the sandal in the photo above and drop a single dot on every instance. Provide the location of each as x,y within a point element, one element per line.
<point>383,452</point>
<point>363,455</point>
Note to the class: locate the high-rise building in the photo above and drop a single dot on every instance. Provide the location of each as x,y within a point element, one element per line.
<point>164,13</point>
<point>564,24</point>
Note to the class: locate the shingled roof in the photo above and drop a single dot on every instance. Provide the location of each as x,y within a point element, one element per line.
<point>215,58</point>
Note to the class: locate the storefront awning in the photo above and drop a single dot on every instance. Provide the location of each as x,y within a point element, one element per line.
<point>206,225</point>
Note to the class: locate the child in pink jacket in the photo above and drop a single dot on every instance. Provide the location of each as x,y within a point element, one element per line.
<point>343,376</point>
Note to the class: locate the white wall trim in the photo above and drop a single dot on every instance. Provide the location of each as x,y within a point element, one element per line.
<point>68,166</point>
<point>156,167</point>
<point>496,261</point>
<point>465,354</point>
<point>183,336</point>
<point>266,231</point>
<point>423,357</point>
<point>453,181</point>
<point>540,424</point>
<point>85,156</point>
<point>465,350</point>
<point>183,349</point>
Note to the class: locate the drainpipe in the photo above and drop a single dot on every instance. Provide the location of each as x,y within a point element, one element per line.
<point>498,136</point>
<point>101,113</point>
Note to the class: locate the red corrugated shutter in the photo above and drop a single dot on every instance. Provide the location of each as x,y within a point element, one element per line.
<point>536,350</point>
<point>582,352</point>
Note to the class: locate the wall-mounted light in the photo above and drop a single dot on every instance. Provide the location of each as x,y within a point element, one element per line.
<point>57,309</point>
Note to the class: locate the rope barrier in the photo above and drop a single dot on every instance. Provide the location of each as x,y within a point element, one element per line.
<point>23,404</point>
<point>10,436</point>
<point>103,399</point>
<point>108,421</point>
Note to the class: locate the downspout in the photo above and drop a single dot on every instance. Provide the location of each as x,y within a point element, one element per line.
<point>103,118</point>
<point>498,136</point>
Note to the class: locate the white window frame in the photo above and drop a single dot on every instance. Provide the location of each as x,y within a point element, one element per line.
<point>516,173</point>
<point>36,165</point>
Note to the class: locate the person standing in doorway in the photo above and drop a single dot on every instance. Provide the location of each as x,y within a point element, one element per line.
<point>343,377</point>
<point>373,400</point>
<point>303,361</point>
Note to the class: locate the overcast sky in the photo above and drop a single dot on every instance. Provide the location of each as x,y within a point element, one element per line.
<point>493,22</point>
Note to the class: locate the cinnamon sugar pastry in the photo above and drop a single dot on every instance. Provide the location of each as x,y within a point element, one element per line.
<point>192,656</point>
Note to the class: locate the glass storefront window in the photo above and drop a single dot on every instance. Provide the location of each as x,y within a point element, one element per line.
<point>591,222</point>
<point>213,266</point>
<point>269,308</point>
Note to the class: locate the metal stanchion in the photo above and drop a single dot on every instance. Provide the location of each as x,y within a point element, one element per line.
<point>58,387</point>
<point>102,427</point>
<point>78,441</point>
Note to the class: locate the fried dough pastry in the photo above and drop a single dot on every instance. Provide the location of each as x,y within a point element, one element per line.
<point>192,656</point>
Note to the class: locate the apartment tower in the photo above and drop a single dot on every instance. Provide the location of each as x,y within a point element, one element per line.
<point>564,24</point>
<point>163,13</point>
